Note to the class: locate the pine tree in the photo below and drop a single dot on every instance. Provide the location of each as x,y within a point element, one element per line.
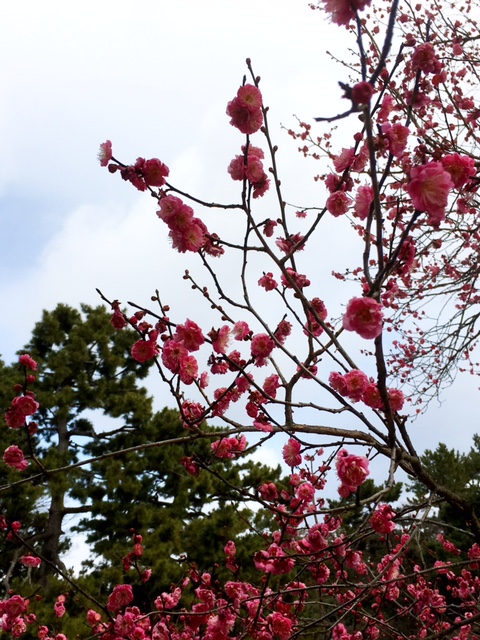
<point>84,371</point>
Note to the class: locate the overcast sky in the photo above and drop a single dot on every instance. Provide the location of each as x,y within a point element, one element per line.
<point>154,77</point>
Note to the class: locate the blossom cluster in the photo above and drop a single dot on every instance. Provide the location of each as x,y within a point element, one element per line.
<point>22,407</point>
<point>357,386</point>
<point>143,174</point>
<point>249,166</point>
<point>245,110</point>
<point>187,232</point>
<point>352,471</point>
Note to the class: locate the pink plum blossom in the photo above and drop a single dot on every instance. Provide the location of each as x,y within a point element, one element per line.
<point>299,279</point>
<point>105,153</point>
<point>21,408</point>
<point>268,282</point>
<point>428,188</point>
<point>59,606</point>
<point>30,561</point>
<point>338,203</point>
<point>188,371</point>
<point>220,338</point>
<point>229,447</point>
<point>291,453</point>
<point>338,384</point>
<point>271,385</point>
<point>352,471</point>
<point>240,330</point>
<point>344,159</point>
<point>273,560</point>
<point>356,382</point>
<point>250,167</point>
<point>261,347</point>
<point>362,93</point>
<point>250,97</point>
<point>425,59</point>
<point>153,171</point>
<point>144,350</point>
<point>27,361</point>
<point>121,595</point>
<point>460,168</point>
<point>365,317</point>
<point>318,310</point>
<point>397,136</point>
<point>172,354</point>
<point>381,519</point>
<point>281,625</point>
<point>13,457</point>
<point>283,330</point>
<point>190,335</point>
<point>245,109</point>
<point>363,201</point>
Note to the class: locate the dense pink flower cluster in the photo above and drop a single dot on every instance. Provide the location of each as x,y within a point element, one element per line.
<point>249,166</point>
<point>14,617</point>
<point>22,407</point>
<point>352,471</point>
<point>420,160</point>
<point>143,174</point>
<point>229,447</point>
<point>168,600</point>
<point>273,560</point>
<point>28,362</point>
<point>176,357</point>
<point>187,232</point>
<point>245,110</point>
<point>356,386</point>
<point>365,317</point>
<point>59,606</point>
